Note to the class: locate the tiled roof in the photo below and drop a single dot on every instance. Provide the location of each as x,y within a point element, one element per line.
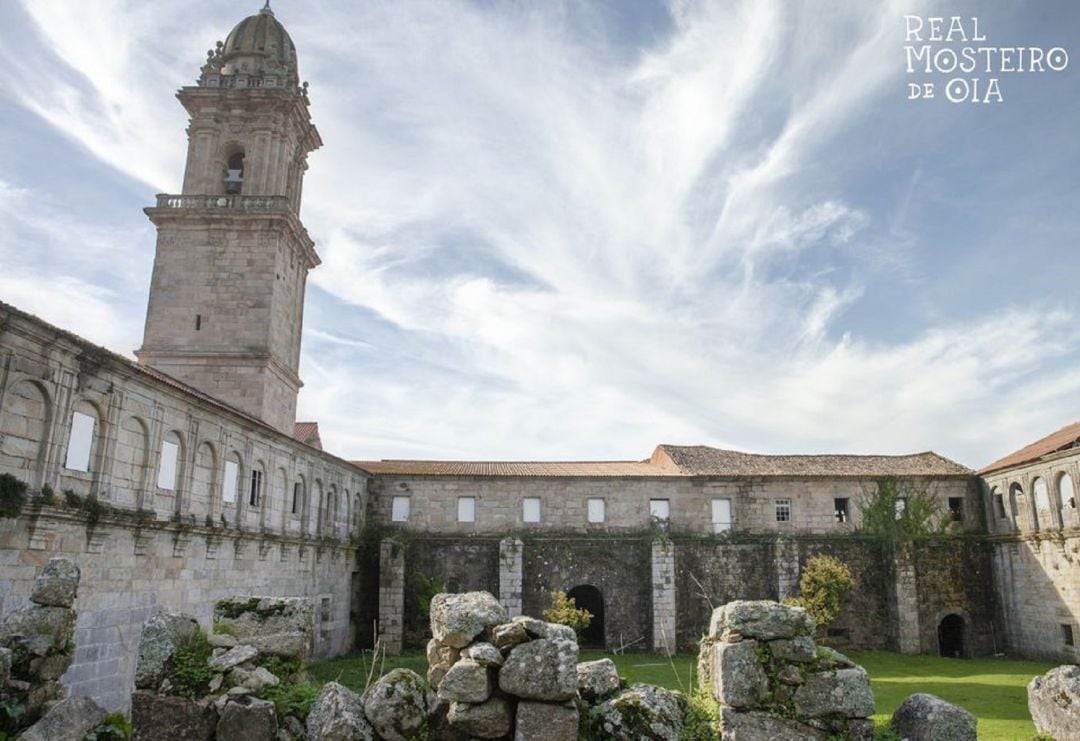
<point>307,433</point>
<point>1067,437</point>
<point>679,461</point>
<point>699,460</point>
<point>570,469</point>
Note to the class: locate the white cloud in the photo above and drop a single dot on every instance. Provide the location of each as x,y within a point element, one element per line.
<point>536,248</point>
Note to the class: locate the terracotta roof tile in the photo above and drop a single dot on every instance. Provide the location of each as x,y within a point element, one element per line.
<point>1067,437</point>
<point>700,460</point>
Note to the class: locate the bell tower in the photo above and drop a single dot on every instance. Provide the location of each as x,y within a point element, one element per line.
<point>227,292</point>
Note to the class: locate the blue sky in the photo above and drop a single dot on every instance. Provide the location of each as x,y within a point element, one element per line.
<point>574,230</point>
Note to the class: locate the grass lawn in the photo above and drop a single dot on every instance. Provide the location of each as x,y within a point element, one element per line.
<point>995,690</point>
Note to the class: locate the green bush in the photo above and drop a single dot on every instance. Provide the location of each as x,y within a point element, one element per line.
<point>189,667</point>
<point>702,720</point>
<point>824,587</point>
<point>48,495</point>
<point>292,698</point>
<point>565,611</point>
<point>115,727</point>
<point>12,495</point>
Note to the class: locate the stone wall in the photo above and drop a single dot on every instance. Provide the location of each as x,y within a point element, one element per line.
<point>1032,514</point>
<point>433,502</point>
<point>130,573</point>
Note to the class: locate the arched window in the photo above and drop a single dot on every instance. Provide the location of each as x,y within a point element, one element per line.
<point>230,482</point>
<point>1016,497</point>
<point>1066,497</point>
<point>255,486</point>
<point>296,505</point>
<point>234,173</point>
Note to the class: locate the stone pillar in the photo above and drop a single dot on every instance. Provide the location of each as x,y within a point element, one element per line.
<point>663,597</point>
<point>787,569</point>
<point>907,603</point>
<point>391,595</point>
<point>510,560</point>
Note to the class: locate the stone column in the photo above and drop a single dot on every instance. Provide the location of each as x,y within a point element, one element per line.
<point>510,560</point>
<point>391,595</point>
<point>663,597</point>
<point>787,569</point>
<point>907,602</point>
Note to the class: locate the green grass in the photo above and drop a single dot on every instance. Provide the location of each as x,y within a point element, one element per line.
<point>995,690</point>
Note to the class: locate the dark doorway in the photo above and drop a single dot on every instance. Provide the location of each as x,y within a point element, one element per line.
<point>950,635</point>
<point>589,598</point>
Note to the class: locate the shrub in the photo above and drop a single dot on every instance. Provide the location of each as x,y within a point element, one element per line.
<point>897,510</point>
<point>48,495</point>
<point>565,611</point>
<point>189,668</point>
<point>115,727</point>
<point>12,495</point>
<point>824,587</point>
<point>702,720</point>
<point>279,667</point>
<point>292,698</point>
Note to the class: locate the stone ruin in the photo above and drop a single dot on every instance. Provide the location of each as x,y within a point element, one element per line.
<point>1054,701</point>
<point>489,677</point>
<point>36,648</point>
<point>225,679</point>
<point>773,682</point>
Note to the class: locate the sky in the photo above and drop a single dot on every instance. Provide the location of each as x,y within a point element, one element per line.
<point>576,229</point>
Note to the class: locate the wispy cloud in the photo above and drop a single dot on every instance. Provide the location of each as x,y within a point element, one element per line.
<point>537,244</point>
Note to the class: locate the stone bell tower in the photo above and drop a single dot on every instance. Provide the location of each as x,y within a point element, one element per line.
<point>227,292</point>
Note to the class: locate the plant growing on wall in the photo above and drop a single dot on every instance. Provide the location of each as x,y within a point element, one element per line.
<point>899,510</point>
<point>565,611</point>
<point>824,587</point>
<point>12,495</point>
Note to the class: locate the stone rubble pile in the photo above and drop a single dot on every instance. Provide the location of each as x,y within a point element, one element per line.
<point>773,682</point>
<point>36,648</point>
<point>496,678</point>
<point>231,706</point>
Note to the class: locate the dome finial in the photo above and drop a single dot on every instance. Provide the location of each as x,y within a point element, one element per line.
<point>266,8</point>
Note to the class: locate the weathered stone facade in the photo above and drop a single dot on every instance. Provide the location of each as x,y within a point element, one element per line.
<point>1034,524</point>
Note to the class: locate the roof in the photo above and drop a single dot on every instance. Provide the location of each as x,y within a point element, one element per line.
<point>570,469</point>
<point>682,461</point>
<point>1065,438</point>
<point>705,461</point>
<point>307,433</point>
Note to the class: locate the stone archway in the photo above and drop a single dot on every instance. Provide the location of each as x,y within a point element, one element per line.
<point>951,637</point>
<point>588,597</point>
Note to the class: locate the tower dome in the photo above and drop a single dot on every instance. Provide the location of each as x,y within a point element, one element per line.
<point>258,49</point>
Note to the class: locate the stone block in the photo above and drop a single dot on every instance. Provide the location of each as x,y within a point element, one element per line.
<point>1054,701</point>
<point>247,719</point>
<point>168,718</point>
<point>57,584</point>
<point>925,717</point>
<point>456,619</point>
<point>844,692</point>
<point>544,669</point>
<point>738,678</point>
<point>762,619</point>
<point>466,681</point>
<point>67,720</point>
<point>397,705</point>
<point>736,725</point>
<point>491,719</point>
<point>597,680</point>
<point>546,720</point>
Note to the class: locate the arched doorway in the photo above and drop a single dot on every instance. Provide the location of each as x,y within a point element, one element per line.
<point>588,597</point>
<point>951,637</point>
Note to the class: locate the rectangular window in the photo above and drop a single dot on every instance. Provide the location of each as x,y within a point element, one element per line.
<point>660,509</point>
<point>595,510</point>
<point>841,509</point>
<point>956,509</point>
<point>900,507</point>
<point>721,515</point>
<point>466,509</point>
<point>999,506</point>
<point>399,509</point>
<point>255,490</point>
<point>783,510</point>
<point>297,497</point>
<point>232,473</point>
<point>530,509</point>
<point>166,477</point>
<point>1067,634</point>
<point>82,439</point>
